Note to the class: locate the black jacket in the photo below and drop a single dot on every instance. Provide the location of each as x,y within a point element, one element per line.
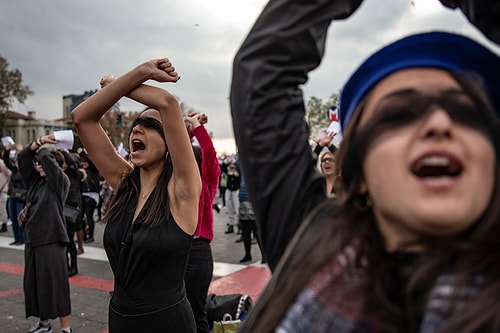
<point>46,223</point>
<point>17,189</point>
<point>75,177</point>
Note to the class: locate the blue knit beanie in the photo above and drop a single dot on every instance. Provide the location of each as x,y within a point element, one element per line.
<point>433,49</point>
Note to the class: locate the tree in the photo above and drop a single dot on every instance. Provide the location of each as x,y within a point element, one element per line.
<point>118,133</point>
<point>185,108</point>
<point>317,113</point>
<point>11,87</point>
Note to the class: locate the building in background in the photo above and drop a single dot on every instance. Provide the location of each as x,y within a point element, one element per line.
<point>71,101</point>
<point>24,128</point>
<point>27,128</point>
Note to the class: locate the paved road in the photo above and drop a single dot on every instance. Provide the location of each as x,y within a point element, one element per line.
<point>90,288</point>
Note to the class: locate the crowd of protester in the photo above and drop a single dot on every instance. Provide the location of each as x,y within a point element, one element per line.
<point>394,230</point>
<point>86,186</point>
<point>31,188</point>
<point>13,194</point>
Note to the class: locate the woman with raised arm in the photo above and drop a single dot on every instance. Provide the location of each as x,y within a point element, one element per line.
<point>410,242</point>
<point>154,214</point>
<point>200,266</point>
<point>46,285</point>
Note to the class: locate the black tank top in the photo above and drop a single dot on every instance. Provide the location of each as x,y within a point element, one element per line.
<point>148,263</point>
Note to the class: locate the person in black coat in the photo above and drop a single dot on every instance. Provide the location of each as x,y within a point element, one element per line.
<point>17,196</point>
<point>46,285</point>
<point>71,167</point>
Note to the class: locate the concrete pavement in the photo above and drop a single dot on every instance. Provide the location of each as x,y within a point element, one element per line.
<point>90,288</point>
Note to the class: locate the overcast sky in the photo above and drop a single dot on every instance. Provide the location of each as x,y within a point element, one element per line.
<point>64,47</point>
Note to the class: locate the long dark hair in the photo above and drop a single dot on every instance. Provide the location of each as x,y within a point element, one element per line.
<point>198,157</point>
<point>334,225</point>
<point>130,185</point>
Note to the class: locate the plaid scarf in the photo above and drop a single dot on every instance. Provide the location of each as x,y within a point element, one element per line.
<point>334,301</point>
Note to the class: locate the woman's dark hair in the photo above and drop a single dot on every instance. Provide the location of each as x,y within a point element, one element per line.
<point>198,156</point>
<point>58,156</point>
<point>461,253</point>
<point>397,292</point>
<point>130,185</point>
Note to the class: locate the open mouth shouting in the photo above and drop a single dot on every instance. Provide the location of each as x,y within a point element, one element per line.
<point>137,145</point>
<point>437,166</point>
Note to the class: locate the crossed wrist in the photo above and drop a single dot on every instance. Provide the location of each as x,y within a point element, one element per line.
<point>39,142</point>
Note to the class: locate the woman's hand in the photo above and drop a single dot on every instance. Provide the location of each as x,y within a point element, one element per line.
<point>162,70</point>
<point>106,79</point>
<point>49,138</point>
<point>194,119</point>
<point>326,140</point>
<point>41,141</point>
<point>203,118</point>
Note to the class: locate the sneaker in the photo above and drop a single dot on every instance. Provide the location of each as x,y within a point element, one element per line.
<point>65,331</point>
<point>41,328</point>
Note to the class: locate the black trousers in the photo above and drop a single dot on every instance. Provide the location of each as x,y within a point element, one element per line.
<point>247,228</point>
<point>89,205</point>
<point>71,248</point>
<point>198,276</point>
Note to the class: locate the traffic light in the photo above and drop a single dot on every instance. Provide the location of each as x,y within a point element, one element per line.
<point>119,119</point>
